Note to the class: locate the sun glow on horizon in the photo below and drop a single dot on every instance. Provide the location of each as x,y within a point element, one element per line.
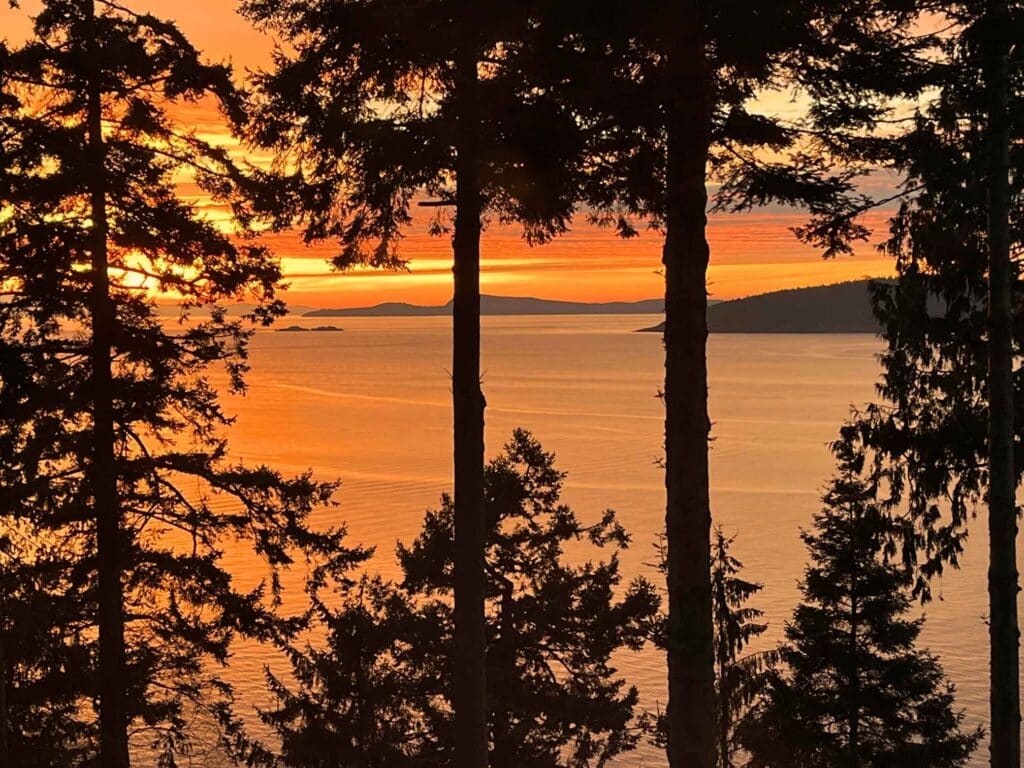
<point>751,253</point>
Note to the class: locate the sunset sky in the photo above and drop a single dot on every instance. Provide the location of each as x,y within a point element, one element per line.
<point>751,253</point>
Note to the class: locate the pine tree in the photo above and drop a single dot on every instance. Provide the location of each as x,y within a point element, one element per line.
<point>944,437</point>
<point>113,438</point>
<point>47,668</point>
<point>382,103</point>
<point>379,693</point>
<point>739,677</point>
<point>554,697</point>
<point>665,92</point>
<point>855,690</point>
<point>357,699</point>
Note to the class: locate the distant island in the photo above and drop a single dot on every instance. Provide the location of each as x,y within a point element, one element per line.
<point>840,308</point>
<point>501,305</point>
<point>318,329</point>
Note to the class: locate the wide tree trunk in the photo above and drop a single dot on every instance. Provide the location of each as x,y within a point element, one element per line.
<point>691,690</point>
<point>1004,633</point>
<point>102,472</point>
<point>470,646</point>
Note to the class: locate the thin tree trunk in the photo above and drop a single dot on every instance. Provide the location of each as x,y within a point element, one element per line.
<point>723,682</point>
<point>853,714</point>
<point>113,711</point>
<point>724,716</point>
<point>1002,519</point>
<point>469,661</point>
<point>691,691</point>
<point>5,753</point>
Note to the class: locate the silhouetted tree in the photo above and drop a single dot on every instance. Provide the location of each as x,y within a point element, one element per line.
<point>665,92</point>
<point>952,325</point>
<point>357,699</point>
<point>739,677</point>
<point>854,690</point>
<point>378,103</point>
<point>554,698</point>
<point>379,693</point>
<point>48,664</point>
<point>112,432</point>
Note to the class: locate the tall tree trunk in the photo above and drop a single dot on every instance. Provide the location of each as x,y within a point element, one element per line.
<point>1004,695</point>
<point>112,682</point>
<point>853,674</point>
<point>5,753</point>
<point>691,690</point>
<point>469,661</point>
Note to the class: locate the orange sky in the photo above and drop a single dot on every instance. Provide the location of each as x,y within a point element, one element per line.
<point>751,253</point>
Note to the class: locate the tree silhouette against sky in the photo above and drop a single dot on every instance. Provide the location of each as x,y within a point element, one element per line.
<point>113,435</point>
<point>377,103</point>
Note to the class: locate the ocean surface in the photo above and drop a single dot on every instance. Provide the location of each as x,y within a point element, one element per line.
<point>371,406</point>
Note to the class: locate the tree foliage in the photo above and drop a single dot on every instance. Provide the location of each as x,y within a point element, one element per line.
<point>181,502</point>
<point>363,111</point>
<point>854,689</point>
<point>378,692</point>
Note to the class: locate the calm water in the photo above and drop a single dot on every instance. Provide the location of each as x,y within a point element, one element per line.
<point>371,406</point>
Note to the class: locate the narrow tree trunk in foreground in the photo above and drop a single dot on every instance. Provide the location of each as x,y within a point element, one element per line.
<point>112,682</point>
<point>469,662</point>
<point>5,754</point>
<point>691,690</point>
<point>1002,514</point>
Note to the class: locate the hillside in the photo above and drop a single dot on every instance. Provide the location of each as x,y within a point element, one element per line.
<point>839,308</point>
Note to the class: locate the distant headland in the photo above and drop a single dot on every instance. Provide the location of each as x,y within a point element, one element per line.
<point>839,308</point>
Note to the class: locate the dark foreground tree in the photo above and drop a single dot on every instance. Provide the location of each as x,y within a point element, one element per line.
<point>997,29</point>
<point>113,442</point>
<point>357,700</point>
<point>380,692</point>
<point>739,677</point>
<point>946,433</point>
<point>666,92</point>
<point>47,668</point>
<point>855,691</point>
<point>379,103</point>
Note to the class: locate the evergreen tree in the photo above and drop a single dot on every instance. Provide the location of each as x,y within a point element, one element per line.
<point>665,92</point>
<point>112,436</point>
<point>357,699</point>
<point>47,667</point>
<point>672,112</point>
<point>739,677</point>
<point>380,692</point>
<point>855,690</point>
<point>945,437</point>
<point>379,103</point>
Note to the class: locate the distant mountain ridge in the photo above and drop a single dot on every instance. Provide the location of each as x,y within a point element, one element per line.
<point>233,310</point>
<point>839,308</point>
<point>501,305</point>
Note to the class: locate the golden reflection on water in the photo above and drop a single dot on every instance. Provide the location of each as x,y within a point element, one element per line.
<point>370,405</point>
